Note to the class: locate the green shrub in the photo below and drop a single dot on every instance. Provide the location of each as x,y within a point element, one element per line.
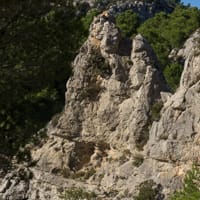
<point>77,194</point>
<point>128,23</point>
<point>172,74</point>
<point>191,187</point>
<point>142,139</point>
<point>155,111</point>
<point>87,20</point>
<point>148,191</point>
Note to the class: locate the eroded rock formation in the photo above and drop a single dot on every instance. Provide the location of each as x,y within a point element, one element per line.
<point>107,139</point>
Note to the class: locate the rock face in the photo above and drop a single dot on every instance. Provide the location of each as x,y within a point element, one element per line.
<point>174,140</point>
<point>108,107</point>
<point>110,138</point>
<point>16,184</point>
<point>145,10</point>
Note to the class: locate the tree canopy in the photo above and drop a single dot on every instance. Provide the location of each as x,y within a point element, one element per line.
<point>38,42</point>
<point>168,31</point>
<point>128,23</point>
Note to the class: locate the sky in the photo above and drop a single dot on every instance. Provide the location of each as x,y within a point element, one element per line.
<point>192,2</point>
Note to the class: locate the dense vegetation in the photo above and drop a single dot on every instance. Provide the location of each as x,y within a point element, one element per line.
<point>38,41</point>
<point>128,23</point>
<point>168,31</point>
<point>149,190</point>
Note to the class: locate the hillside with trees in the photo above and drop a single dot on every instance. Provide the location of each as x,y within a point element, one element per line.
<point>39,40</point>
<point>115,104</point>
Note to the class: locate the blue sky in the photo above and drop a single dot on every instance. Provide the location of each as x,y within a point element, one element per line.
<point>192,2</point>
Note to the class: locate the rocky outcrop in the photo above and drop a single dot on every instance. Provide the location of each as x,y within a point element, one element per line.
<point>111,137</point>
<point>15,185</point>
<point>107,112</point>
<point>144,9</point>
<point>174,140</point>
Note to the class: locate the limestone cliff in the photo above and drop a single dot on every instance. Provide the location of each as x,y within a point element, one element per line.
<point>174,139</point>
<point>108,139</point>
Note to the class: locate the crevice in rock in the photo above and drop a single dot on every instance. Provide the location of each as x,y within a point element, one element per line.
<point>125,47</point>
<point>81,154</point>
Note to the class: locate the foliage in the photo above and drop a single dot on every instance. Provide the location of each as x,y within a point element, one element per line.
<point>38,42</point>
<point>77,194</point>
<point>191,188</point>
<point>128,22</point>
<point>168,31</point>
<point>87,20</point>
<point>155,111</point>
<point>148,191</point>
<point>142,139</point>
<point>172,74</point>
